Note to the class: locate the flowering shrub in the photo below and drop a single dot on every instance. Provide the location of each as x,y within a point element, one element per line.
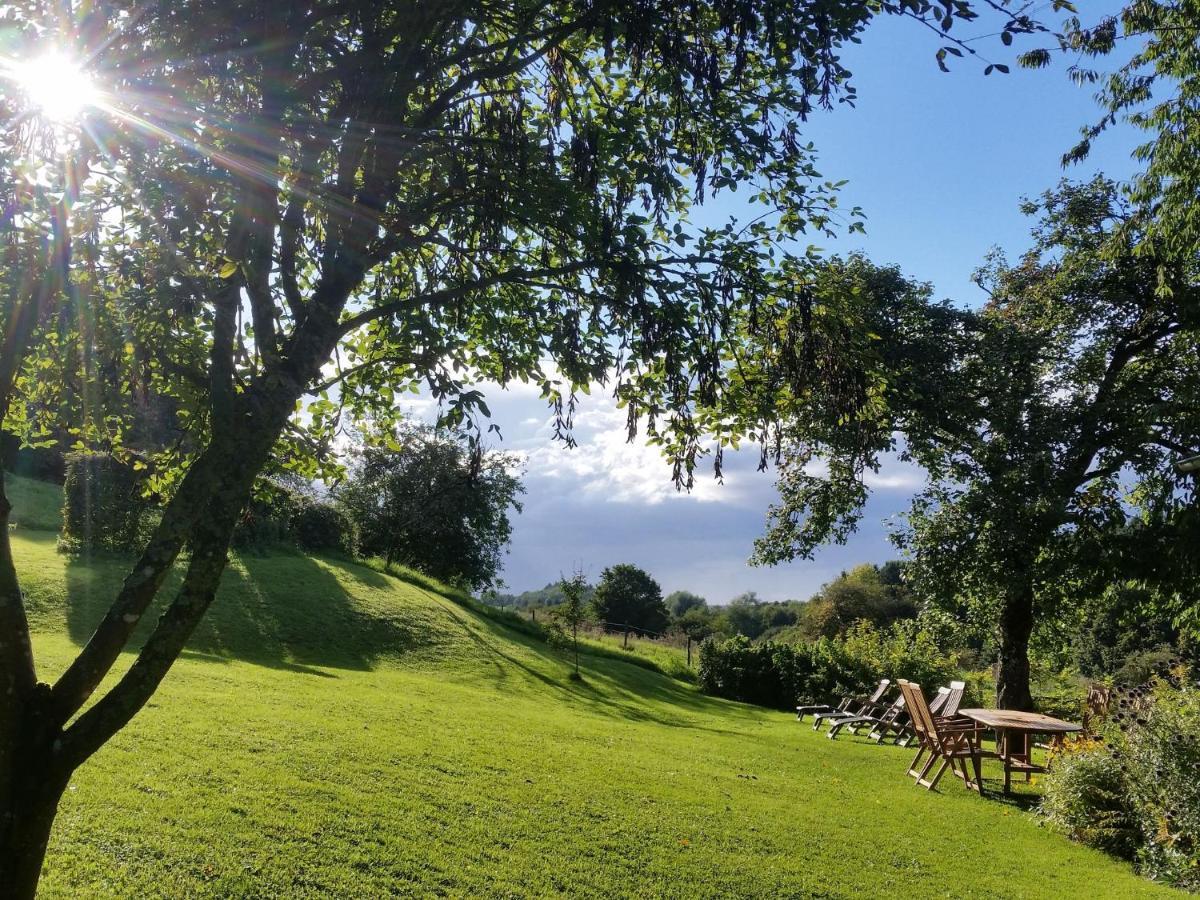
<point>1137,793</point>
<point>1086,798</point>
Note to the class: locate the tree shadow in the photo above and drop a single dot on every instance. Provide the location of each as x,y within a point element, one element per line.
<point>283,610</point>
<point>289,611</point>
<point>610,686</point>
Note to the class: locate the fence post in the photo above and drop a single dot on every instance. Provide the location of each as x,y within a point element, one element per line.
<point>626,637</point>
<point>689,651</point>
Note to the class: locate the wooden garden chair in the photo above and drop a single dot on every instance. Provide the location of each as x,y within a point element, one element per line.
<point>896,721</point>
<point>944,706</point>
<point>900,728</point>
<point>1095,708</point>
<point>861,706</point>
<point>952,741</point>
<point>849,706</point>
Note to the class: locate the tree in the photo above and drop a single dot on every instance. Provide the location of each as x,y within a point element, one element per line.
<point>627,597</point>
<point>862,594</point>
<point>680,602</point>
<point>313,206</point>
<point>742,616</point>
<point>1047,423</point>
<point>550,595</point>
<point>421,498</point>
<point>573,611</point>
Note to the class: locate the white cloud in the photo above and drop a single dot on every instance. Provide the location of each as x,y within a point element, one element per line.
<point>608,500</point>
<point>606,466</point>
<point>896,475</point>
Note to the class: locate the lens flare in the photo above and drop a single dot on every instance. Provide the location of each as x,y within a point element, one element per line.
<point>58,89</point>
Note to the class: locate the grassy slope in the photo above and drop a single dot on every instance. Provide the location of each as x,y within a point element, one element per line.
<point>340,732</point>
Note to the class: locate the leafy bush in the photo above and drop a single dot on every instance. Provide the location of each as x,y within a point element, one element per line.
<point>279,514</point>
<point>1138,793</point>
<point>1161,753</point>
<point>318,526</point>
<point>264,522</point>
<point>1085,798</point>
<point>103,504</point>
<point>905,650</point>
<point>38,463</point>
<point>1142,666</point>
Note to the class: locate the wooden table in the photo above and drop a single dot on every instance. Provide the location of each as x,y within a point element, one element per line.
<point>1013,732</point>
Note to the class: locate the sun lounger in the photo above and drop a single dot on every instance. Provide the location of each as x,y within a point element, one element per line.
<point>849,705</point>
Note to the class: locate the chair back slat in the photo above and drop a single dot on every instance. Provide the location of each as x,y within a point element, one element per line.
<point>918,723</point>
<point>936,704</point>
<point>919,708</point>
<point>953,699</point>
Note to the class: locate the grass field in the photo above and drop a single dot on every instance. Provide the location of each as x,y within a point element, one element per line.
<point>339,732</point>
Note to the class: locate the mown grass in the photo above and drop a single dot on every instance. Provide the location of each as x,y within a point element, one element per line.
<point>339,732</point>
<point>666,657</point>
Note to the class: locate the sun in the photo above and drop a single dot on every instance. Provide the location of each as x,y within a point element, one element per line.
<point>56,86</point>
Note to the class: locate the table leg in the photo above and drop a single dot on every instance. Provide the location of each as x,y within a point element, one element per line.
<point>1002,752</point>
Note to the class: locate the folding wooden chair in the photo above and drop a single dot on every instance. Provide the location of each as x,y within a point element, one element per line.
<point>901,727</point>
<point>944,706</point>
<point>952,741</point>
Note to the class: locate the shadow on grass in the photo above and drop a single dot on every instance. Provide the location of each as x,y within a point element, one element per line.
<point>292,612</point>
<point>284,610</point>
<point>609,686</point>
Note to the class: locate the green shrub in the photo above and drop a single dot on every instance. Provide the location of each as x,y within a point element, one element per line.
<point>905,650</point>
<point>1137,794</point>
<point>1085,797</point>
<point>264,522</point>
<point>778,675</point>
<point>1142,666</point>
<point>1161,752</point>
<point>781,675</point>
<point>103,504</point>
<point>279,515</point>
<point>317,526</point>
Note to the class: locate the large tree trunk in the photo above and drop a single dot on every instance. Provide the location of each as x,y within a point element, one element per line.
<point>37,756</point>
<point>1016,625</point>
<point>32,785</point>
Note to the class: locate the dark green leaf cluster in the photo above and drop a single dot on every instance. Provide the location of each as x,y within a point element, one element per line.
<point>627,597</point>
<point>419,497</point>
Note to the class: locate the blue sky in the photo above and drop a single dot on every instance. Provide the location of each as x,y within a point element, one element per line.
<point>939,163</point>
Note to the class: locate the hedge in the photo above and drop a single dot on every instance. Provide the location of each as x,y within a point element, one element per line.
<point>782,675</point>
<point>103,503</point>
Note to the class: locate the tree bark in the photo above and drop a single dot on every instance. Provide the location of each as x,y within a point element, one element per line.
<point>32,785</point>
<point>1016,626</point>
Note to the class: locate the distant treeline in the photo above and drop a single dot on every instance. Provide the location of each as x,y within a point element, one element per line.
<point>872,593</point>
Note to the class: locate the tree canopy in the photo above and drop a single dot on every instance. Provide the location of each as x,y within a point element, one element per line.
<point>627,597</point>
<point>1155,88</point>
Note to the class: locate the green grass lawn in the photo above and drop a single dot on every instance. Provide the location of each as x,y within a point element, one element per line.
<point>339,732</point>
<point>668,657</point>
